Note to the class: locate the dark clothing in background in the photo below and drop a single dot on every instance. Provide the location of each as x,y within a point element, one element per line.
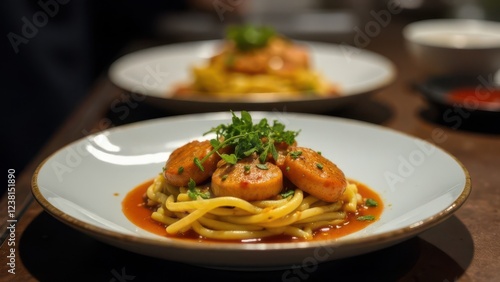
<point>52,50</point>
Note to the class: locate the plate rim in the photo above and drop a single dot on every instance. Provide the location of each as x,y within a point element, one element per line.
<point>177,243</point>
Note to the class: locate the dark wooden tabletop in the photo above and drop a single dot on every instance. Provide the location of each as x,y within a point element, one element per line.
<point>465,247</point>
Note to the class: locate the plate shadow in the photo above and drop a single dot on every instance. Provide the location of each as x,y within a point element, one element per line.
<point>53,251</point>
<point>369,110</point>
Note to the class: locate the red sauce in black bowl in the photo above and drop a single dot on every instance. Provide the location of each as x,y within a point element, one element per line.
<point>462,102</point>
<point>475,97</point>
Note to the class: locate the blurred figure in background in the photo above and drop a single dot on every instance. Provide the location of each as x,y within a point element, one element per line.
<point>52,52</point>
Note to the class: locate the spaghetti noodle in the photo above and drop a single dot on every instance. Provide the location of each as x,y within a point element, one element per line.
<point>230,218</point>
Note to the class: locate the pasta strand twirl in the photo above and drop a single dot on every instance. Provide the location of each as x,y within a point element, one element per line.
<point>230,218</point>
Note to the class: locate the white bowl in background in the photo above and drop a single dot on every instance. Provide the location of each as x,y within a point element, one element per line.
<point>454,46</point>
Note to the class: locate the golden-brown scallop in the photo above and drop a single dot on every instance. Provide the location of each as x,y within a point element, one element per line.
<point>180,166</point>
<point>247,179</point>
<point>314,174</point>
<point>279,56</point>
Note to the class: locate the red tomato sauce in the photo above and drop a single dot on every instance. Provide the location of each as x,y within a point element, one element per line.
<point>474,97</point>
<point>137,212</point>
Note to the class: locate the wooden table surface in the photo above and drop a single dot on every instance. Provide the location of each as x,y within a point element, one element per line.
<point>465,247</point>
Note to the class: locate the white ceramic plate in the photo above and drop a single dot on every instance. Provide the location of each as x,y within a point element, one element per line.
<point>154,72</point>
<point>84,183</point>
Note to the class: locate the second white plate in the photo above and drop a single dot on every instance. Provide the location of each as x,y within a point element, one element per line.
<point>154,72</point>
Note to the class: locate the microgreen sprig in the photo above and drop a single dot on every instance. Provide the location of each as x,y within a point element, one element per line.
<point>195,192</point>
<point>248,138</point>
<point>248,37</point>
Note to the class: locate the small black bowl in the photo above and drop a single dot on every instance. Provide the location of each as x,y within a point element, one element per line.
<point>473,110</point>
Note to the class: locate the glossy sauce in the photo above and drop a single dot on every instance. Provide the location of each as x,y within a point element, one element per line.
<point>137,212</point>
<point>475,97</point>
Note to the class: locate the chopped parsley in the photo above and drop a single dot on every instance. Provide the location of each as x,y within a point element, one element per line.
<point>371,203</point>
<point>248,138</point>
<point>230,60</point>
<point>180,170</point>
<point>262,166</point>
<point>197,162</point>
<point>295,154</point>
<point>248,37</point>
<point>287,193</point>
<point>195,192</point>
<point>318,165</point>
<point>366,218</point>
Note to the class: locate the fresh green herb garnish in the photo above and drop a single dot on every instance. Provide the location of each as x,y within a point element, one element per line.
<point>318,165</point>
<point>262,166</point>
<point>287,193</point>
<point>180,170</point>
<point>194,192</point>
<point>197,162</point>
<point>366,218</point>
<point>230,60</point>
<point>295,154</point>
<point>371,203</point>
<point>247,168</point>
<point>248,138</point>
<point>247,37</point>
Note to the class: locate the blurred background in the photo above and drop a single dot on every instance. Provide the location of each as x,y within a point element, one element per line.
<point>54,50</point>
